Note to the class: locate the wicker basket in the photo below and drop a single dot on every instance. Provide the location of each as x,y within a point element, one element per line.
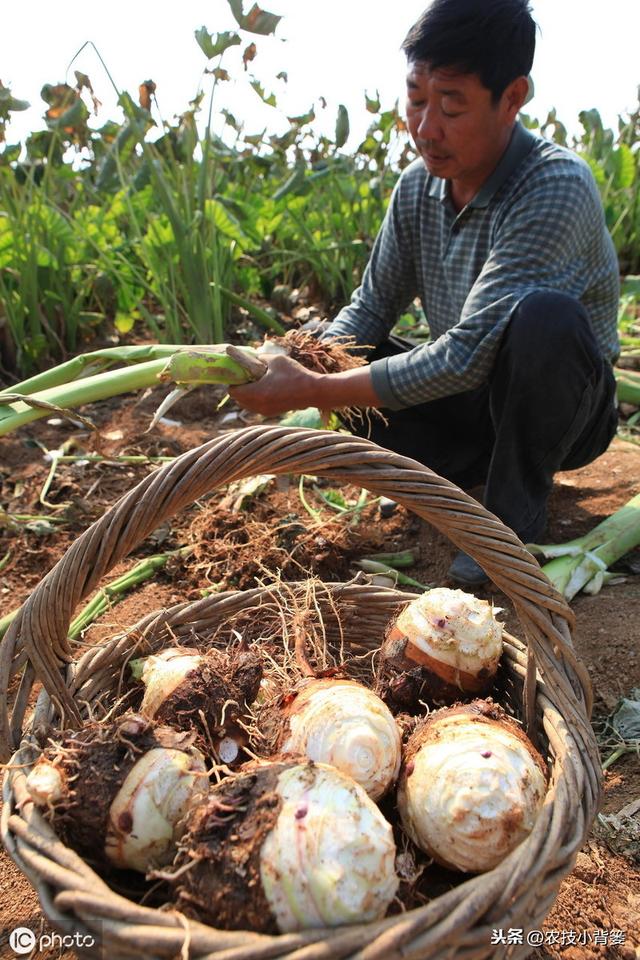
<point>545,685</point>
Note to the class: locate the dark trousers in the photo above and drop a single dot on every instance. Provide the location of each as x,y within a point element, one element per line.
<point>549,405</point>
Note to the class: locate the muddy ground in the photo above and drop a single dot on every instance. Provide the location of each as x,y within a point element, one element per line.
<point>597,913</point>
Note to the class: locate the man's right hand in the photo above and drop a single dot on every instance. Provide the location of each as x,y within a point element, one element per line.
<point>287,385</point>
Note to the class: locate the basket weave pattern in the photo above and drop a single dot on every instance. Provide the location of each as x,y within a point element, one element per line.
<point>546,685</point>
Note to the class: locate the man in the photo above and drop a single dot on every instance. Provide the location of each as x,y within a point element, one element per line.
<point>502,236</point>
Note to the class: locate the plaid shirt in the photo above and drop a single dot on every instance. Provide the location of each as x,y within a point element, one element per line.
<point>536,224</point>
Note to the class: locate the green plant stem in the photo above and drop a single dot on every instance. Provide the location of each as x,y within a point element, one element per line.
<point>628,387</point>
<point>399,560</point>
<point>87,390</point>
<point>87,364</point>
<point>116,458</point>
<point>582,562</point>
<point>264,318</point>
<point>620,752</point>
<point>373,566</point>
<point>109,594</point>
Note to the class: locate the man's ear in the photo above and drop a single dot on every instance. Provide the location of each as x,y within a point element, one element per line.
<point>514,97</point>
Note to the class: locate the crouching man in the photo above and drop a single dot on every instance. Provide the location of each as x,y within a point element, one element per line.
<point>501,234</point>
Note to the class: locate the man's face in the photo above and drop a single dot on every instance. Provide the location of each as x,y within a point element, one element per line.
<point>459,133</point>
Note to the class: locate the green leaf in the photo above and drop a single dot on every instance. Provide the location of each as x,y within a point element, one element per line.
<point>214,47</point>
<point>336,497</point>
<point>225,222</point>
<point>16,105</point>
<point>259,89</point>
<point>624,167</point>
<point>71,117</point>
<point>294,182</point>
<point>304,118</point>
<point>342,126</point>
<point>125,322</point>
<point>136,667</point>
<point>373,103</point>
<point>230,120</point>
<point>256,20</point>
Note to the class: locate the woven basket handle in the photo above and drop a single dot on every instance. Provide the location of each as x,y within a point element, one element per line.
<point>39,632</point>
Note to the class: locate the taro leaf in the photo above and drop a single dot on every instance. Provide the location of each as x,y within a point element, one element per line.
<point>59,96</point>
<point>84,83</point>
<point>342,126</point>
<point>71,120</point>
<point>9,103</point>
<point>230,120</point>
<point>373,103</point>
<point>249,54</point>
<point>225,222</point>
<point>626,719</point>
<point>336,498</point>
<point>125,322</point>
<point>623,167</point>
<point>213,47</point>
<point>295,181</point>
<point>259,89</point>
<point>145,91</point>
<point>303,118</point>
<point>256,20</point>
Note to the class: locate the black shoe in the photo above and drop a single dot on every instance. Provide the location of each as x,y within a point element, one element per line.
<point>465,572</point>
<point>387,507</point>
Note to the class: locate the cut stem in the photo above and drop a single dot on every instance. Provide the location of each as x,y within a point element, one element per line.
<point>579,562</point>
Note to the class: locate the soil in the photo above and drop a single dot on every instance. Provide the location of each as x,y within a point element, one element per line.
<point>597,912</point>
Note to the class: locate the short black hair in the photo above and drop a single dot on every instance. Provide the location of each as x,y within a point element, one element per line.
<point>495,39</point>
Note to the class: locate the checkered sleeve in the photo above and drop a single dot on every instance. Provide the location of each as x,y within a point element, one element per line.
<point>540,243</point>
<point>389,280</point>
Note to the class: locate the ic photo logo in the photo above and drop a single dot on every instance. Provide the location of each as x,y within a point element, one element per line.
<point>22,940</point>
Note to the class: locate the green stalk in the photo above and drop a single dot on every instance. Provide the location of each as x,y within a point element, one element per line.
<point>208,365</point>
<point>403,558</point>
<point>115,458</point>
<point>87,390</point>
<point>264,318</point>
<point>581,564</point>
<point>109,594</point>
<point>374,566</point>
<point>114,591</point>
<point>87,364</point>
<point>628,387</point>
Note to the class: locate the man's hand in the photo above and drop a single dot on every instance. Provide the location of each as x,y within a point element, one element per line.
<point>287,385</point>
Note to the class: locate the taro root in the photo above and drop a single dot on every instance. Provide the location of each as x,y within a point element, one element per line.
<point>471,786</point>
<point>342,723</point>
<point>208,693</point>
<point>443,642</point>
<point>118,793</point>
<point>284,846</point>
